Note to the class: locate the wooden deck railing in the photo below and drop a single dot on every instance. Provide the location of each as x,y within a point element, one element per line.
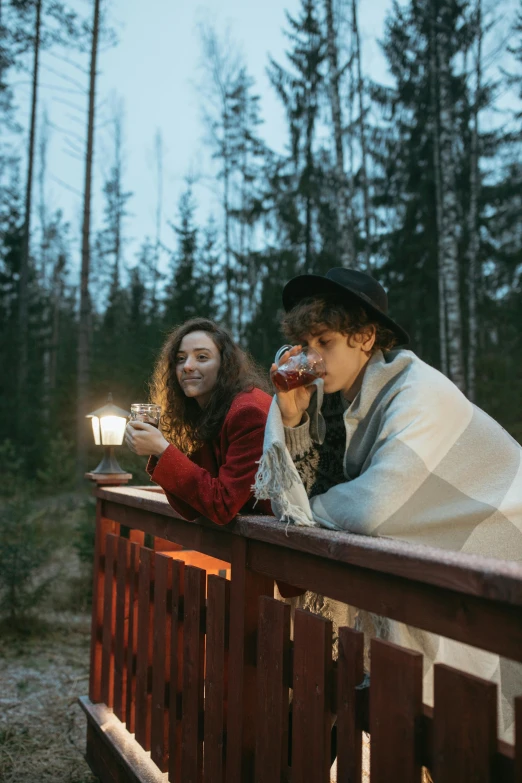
<point>191,675</point>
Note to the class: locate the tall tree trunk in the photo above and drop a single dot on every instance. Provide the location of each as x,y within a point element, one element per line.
<point>473,248</point>
<point>362,137</point>
<point>308,198</point>
<point>57,294</point>
<point>44,264</point>
<point>438,197</point>
<point>226,210</point>
<point>23,287</point>
<point>85,303</point>
<point>448,237</point>
<point>345,230</point>
<point>158,149</point>
<point>118,202</point>
<point>351,161</point>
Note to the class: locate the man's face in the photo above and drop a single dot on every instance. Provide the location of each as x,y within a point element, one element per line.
<point>344,357</point>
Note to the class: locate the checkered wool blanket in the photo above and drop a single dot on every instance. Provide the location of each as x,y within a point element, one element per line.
<point>424,465</point>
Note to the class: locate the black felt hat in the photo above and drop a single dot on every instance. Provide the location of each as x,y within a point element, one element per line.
<point>349,286</point>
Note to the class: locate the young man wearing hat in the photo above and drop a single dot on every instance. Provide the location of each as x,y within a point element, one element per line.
<point>386,445</point>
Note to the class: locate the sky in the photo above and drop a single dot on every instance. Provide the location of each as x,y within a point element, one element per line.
<point>153,73</point>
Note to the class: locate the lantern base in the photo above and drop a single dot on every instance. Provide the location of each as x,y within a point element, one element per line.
<point>109,479</point>
<point>108,471</point>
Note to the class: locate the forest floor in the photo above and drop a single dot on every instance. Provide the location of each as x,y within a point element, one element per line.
<point>42,727</point>
<point>44,654</point>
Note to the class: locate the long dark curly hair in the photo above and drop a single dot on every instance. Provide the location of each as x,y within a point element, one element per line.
<point>183,422</point>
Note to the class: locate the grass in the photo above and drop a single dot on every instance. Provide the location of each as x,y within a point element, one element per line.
<point>44,667</point>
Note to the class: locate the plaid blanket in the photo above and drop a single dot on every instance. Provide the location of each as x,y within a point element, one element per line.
<point>422,464</point>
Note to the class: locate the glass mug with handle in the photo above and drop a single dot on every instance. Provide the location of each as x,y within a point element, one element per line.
<point>147,412</point>
<point>301,369</point>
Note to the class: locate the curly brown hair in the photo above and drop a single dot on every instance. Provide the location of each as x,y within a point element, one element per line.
<point>314,315</point>
<point>183,422</point>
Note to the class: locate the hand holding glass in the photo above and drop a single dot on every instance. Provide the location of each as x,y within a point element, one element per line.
<point>301,369</point>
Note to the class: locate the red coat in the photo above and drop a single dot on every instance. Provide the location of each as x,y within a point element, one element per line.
<point>216,481</point>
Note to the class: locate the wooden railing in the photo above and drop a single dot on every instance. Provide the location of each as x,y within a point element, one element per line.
<point>192,676</point>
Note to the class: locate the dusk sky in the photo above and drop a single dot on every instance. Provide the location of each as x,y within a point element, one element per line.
<point>154,71</point>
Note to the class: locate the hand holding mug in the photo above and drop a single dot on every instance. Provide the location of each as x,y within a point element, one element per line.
<point>142,435</point>
<point>144,439</point>
<point>294,370</point>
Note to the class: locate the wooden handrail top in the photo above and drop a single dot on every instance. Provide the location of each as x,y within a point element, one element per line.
<point>490,578</point>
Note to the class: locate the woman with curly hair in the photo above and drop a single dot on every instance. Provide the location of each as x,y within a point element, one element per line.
<point>214,410</point>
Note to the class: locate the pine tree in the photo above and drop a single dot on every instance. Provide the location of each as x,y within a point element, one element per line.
<point>208,272</point>
<point>346,249</point>
<point>182,299</point>
<point>301,89</point>
<point>246,196</point>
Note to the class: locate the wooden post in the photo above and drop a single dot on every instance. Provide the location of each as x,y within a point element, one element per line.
<point>273,674</point>
<point>245,590</point>
<point>103,526</point>
<point>350,673</point>
<point>311,714</point>
<point>395,713</point>
<point>216,677</point>
<point>465,727</point>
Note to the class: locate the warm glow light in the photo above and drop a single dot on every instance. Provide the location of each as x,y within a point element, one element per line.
<point>96,429</point>
<point>112,429</point>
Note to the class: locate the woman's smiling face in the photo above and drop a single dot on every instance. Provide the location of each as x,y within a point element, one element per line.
<point>197,366</point>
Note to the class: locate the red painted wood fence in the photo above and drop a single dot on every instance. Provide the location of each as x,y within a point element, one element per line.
<point>196,679</point>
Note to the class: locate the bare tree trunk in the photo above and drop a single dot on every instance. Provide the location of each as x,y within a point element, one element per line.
<point>44,262</point>
<point>362,135</point>
<point>448,238</point>
<point>438,198</point>
<point>158,149</point>
<point>118,201</point>
<point>85,303</point>
<point>346,250</point>
<point>226,210</point>
<point>308,196</point>
<point>23,288</point>
<point>473,249</point>
<point>57,288</point>
<point>351,163</point>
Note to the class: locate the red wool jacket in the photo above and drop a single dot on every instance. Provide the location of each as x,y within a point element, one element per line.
<point>216,480</point>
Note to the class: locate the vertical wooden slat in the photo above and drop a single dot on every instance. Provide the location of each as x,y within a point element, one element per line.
<point>122,628</point>
<point>144,652</point>
<point>273,664</point>
<point>216,673</point>
<point>109,621</point>
<point>132,639</point>
<point>465,727</point>
<point>103,526</point>
<point>518,739</point>
<point>311,714</point>
<point>176,670</point>
<point>245,590</point>
<point>137,536</point>
<point>395,713</point>
<point>350,673</point>
<point>193,673</point>
<point>161,660</point>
